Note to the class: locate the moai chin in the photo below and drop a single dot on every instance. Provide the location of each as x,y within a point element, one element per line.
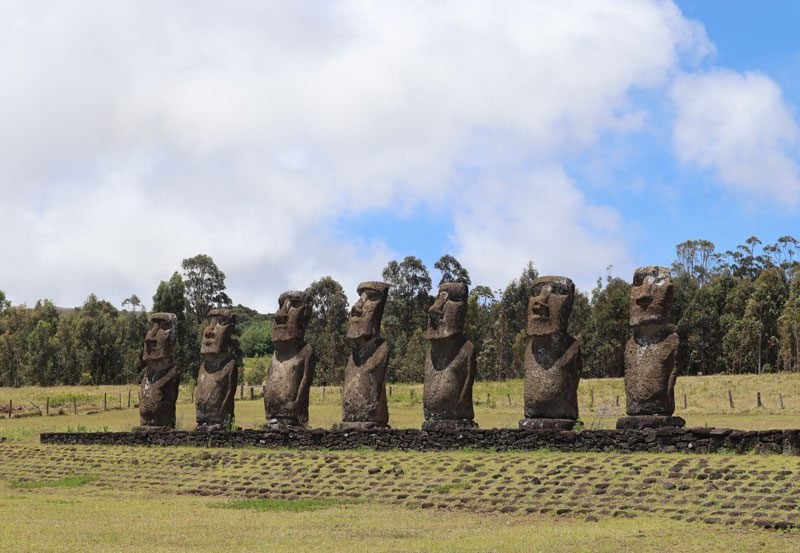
<point>218,375</point>
<point>364,391</point>
<point>291,369</point>
<point>449,363</point>
<point>552,357</point>
<point>159,389</point>
<point>650,369</point>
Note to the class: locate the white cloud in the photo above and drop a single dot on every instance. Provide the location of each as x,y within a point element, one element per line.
<point>739,126</point>
<point>542,218</point>
<point>137,134</point>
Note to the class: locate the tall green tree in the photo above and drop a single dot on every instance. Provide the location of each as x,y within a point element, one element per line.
<point>326,329</point>
<point>764,307</point>
<point>604,337</point>
<point>789,329</point>
<point>452,270</point>
<point>205,286</point>
<point>406,308</point>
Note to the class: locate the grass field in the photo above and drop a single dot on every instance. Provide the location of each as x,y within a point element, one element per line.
<point>497,405</point>
<point>94,498</point>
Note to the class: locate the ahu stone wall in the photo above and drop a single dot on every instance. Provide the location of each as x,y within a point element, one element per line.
<point>668,440</point>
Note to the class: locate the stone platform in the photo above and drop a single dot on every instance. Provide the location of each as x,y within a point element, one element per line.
<point>668,439</point>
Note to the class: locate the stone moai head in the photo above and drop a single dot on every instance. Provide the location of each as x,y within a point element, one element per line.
<point>651,295</point>
<point>159,342</point>
<point>366,314</point>
<point>220,325</point>
<point>550,305</point>
<point>291,318</point>
<point>447,314</point>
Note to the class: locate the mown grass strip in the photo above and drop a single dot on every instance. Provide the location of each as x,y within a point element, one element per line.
<point>66,482</point>
<point>284,505</point>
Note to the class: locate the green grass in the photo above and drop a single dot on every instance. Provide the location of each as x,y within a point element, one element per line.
<point>199,499</point>
<point>283,505</point>
<point>66,482</point>
<point>497,405</point>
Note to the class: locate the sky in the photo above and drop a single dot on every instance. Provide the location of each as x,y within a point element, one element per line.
<point>291,141</point>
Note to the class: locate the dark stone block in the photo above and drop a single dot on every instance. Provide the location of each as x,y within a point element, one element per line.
<point>640,422</point>
<point>547,424</point>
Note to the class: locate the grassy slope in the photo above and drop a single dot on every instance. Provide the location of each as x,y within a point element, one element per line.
<point>159,499</point>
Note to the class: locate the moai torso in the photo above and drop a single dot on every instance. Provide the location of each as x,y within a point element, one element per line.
<point>551,385</point>
<point>364,390</point>
<point>288,385</point>
<point>218,375</point>
<point>650,374</point>
<point>159,389</point>
<point>291,370</point>
<point>552,358</point>
<point>450,361</point>
<point>449,376</point>
<point>650,369</point>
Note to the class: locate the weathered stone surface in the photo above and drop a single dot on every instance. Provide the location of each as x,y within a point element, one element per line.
<point>448,425</point>
<point>291,369</point>
<point>640,422</point>
<point>218,375</point>
<point>686,440</point>
<point>450,361</point>
<point>552,358</point>
<point>364,390</point>
<point>159,389</point>
<point>650,369</point>
<point>547,424</point>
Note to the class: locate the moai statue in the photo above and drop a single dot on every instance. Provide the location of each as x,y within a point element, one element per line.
<point>159,390</point>
<point>650,369</point>
<point>552,357</point>
<point>364,391</point>
<point>218,374</point>
<point>449,363</point>
<point>291,370</point>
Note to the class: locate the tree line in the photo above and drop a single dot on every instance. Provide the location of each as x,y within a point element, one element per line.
<point>735,311</point>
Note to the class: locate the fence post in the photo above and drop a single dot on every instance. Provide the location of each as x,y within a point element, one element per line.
<point>120,400</point>
<point>252,394</point>
<point>47,407</point>
<point>780,397</point>
<point>617,401</point>
<point>323,392</point>
<point>509,399</point>
<point>129,398</point>
<point>591,397</point>
<point>411,393</point>
<point>10,407</point>
<point>730,399</point>
<point>758,400</point>
<point>241,392</point>
<point>390,391</point>
<point>75,405</point>
<point>684,401</point>
<point>105,401</point>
